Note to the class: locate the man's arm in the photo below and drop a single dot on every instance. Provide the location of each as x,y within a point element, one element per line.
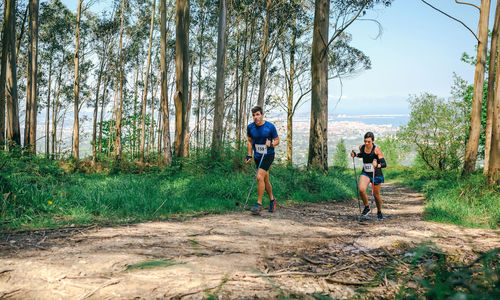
<point>249,148</point>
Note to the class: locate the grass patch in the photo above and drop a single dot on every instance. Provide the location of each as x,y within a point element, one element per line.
<point>41,193</point>
<point>451,199</point>
<point>153,264</point>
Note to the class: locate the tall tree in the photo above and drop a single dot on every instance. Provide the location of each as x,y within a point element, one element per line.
<point>318,147</point>
<point>144,100</point>
<point>491,89</point>
<point>494,153</point>
<point>219,85</point>
<point>475,123</point>
<point>76,85</point>
<point>181,73</point>
<point>119,109</point>
<point>31,95</point>
<point>263,56</point>
<point>9,41</point>
<point>167,153</point>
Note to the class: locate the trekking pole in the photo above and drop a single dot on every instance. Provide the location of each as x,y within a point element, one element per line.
<point>253,182</point>
<point>357,187</point>
<point>373,183</point>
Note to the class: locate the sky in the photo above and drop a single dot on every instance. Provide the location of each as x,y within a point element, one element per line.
<point>418,51</point>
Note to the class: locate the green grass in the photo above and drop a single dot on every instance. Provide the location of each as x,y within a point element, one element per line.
<point>152,264</point>
<point>451,199</point>
<point>41,194</point>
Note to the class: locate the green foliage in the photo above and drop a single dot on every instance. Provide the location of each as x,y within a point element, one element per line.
<point>340,156</point>
<point>436,128</point>
<point>393,149</point>
<point>452,199</point>
<point>443,278</point>
<point>44,193</point>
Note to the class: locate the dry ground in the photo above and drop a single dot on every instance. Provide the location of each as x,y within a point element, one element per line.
<point>231,256</point>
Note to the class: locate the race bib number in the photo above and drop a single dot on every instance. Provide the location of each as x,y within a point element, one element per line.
<point>368,167</point>
<point>262,149</point>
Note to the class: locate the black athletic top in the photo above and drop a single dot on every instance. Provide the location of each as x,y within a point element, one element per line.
<point>368,159</point>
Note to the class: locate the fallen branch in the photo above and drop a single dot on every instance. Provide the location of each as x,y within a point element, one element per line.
<point>159,207</point>
<point>180,296</point>
<point>8,294</point>
<point>345,282</point>
<point>202,233</point>
<point>302,273</point>
<point>314,262</point>
<point>88,295</point>
<point>392,256</point>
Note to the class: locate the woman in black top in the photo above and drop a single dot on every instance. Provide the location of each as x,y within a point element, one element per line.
<point>373,160</point>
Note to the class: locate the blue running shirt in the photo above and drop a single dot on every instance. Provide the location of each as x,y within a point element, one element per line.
<point>259,135</point>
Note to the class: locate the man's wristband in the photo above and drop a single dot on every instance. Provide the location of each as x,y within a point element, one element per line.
<point>248,157</point>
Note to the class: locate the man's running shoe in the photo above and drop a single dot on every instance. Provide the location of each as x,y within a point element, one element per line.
<point>256,209</point>
<point>366,211</point>
<point>272,205</point>
<point>380,216</point>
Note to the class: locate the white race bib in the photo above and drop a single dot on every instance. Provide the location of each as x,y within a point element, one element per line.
<point>262,149</point>
<point>368,167</point>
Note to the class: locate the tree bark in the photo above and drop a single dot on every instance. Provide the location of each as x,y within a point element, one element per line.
<point>491,89</point>
<point>494,153</point>
<point>475,124</point>
<point>76,86</point>
<point>55,112</point>
<point>263,57</point>
<point>182,69</point>
<point>32,75</point>
<point>118,130</point>
<point>144,100</point>
<point>220,80</point>
<point>96,108</point>
<point>290,110</point>
<point>167,153</point>
<point>101,120</point>
<point>13,130</point>
<point>47,117</point>
<point>318,138</point>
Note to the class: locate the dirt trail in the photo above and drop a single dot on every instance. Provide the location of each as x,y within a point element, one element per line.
<point>232,256</point>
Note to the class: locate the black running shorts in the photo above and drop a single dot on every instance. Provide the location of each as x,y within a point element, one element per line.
<point>266,162</point>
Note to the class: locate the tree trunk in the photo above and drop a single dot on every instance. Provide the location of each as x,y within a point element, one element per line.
<point>290,110</point>
<point>491,89</point>
<point>220,80</point>
<point>151,126</point>
<point>13,131</point>
<point>263,57</point>
<point>96,109</point>
<point>494,153</point>
<point>182,82</point>
<point>3,74</point>
<point>101,120</point>
<point>76,86</point>
<point>198,108</point>
<point>246,80</point>
<point>318,147</point>
<point>32,76</point>
<point>167,153</point>
<point>55,112</point>
<point>475,123</point>
<point>47,118</point>
<point>118,140</point>
<point>134,134</point>
<point>144,100</point>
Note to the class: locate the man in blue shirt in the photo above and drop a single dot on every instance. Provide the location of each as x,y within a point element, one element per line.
<point>262,138</point>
